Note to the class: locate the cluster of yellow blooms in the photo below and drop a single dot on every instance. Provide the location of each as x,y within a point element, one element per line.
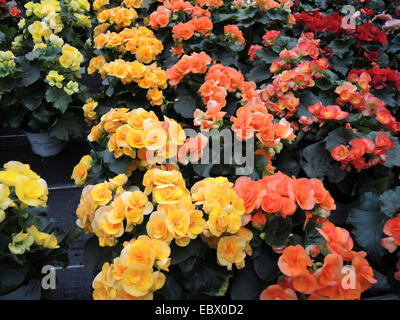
<point>105,206</point>
<point>136,274</point>
<point>99,5</point>
<point>139,41</point>
<point>50,25</point>
<point>176,216</point>
<point>71,58</point>
<point>23,241</point>
<point>80,172</point>
<point>7,63</point>
<point>20,187</point>
<point>139,134</point>
<point>30,189</point>
<point>224,226</point>
<point>89,111</point>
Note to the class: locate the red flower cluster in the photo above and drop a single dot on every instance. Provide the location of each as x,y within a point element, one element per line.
<point>380,78</point>
<point>323,281</point>
<point>195,63</point>
<point>269,38</point>
<point>359,96</point>
<point>316,22</point>
<point>368,32</point>
<point>15,12</point>
<point>233,32</point>
<point>306,46</point>
<point>252,49</point>
<point>364,153</point>
<point>392,230</point>
<point>321,113</point>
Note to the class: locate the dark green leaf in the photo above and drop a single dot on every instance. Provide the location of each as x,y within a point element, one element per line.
<point>265,262</point>
<point>390,202</point>
<point>246,285</point>
<point>367,222</point>
<point>277,231</point>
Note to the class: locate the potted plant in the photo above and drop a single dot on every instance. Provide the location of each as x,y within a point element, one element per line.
<point>44,86</point>
<point>28,239</point>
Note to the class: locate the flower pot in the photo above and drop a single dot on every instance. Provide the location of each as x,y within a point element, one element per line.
<point>43,145</point>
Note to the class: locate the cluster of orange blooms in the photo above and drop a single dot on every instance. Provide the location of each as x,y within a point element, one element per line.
<point>218,82</point>
<point>119,16</point>
<point>281,194</point>
<point>279,97</point>
<point>196,26</point>
<point>272,4</point>
<point>195,63</point>
<point>136,273</point>
<point>330,280</point>
<point>139,134</point>
<point>105,207</point>
<point>148,77</point>
<point>356,91</point>
<point>233,32</point>
<point>139,41</point>
<point>160,17</point>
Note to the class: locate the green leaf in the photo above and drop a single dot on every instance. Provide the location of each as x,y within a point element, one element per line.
<point>267,55</point>
<point>12,275</point>
<point>180,254</point>
<point>258,73</point>
<point>208,280</point>
<point>67,127</point>
<point>339,136</point>
<point>95,256</point>
<point>32,100</point>
<point>367,222</point>
<point>246,285</point>
<point>186,102</point>
<point>390,202</point>
<point>59,98</point>
<point>277,14</point>
<point>172,289</point>
<point>31,73</point>
<point>340,46</point>
<point>335,175</point>
<point>73,234</point>
<point>117,166</point>
<point>30,291</point>
<point>316,160</point>
<point>277,231</point>
<point>265,262</point>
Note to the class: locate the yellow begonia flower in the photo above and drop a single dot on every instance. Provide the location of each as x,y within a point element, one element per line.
<point>101,194</point>
<point>71,58</point>
<point>13,170</point>
<point>231,250</point>
<point>5,201</point>
<point>21,242</point>
<point>43,239</point>
<point>98,4</point>
<point>133,4</point>
<point>31,192</point>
